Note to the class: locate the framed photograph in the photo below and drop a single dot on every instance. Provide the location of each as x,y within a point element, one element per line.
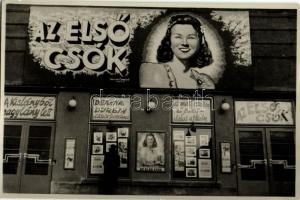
<point>204,168</point>
<point>204,140</point>
<point>108,144</point>
<point>97,137</point>
<point>204,153</point>
<point>190,140</point>
<point>111,136</point>
<point>190,161</point>
<point>225,157</point>
<point>123,132</point>
<point>179,155</point>
<point>191,172</point>
<point>122,145</point>
<point>69,160</point>
<point>178,135</point>
<point>190,151</point>
<point>151,152</point>
<point>97,149</point>
<point>97,166</point>
<point>123,160</point>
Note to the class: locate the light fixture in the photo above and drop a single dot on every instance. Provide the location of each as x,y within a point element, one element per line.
<point>188,133</point>
<point>151,105</point>
<point>193,127</point>
<point>72,104</point>
<point>225,105</point>
<point>110,126</point>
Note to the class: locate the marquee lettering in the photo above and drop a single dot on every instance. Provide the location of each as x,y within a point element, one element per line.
<point>98,58</point>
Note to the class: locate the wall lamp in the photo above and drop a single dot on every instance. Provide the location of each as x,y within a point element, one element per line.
<point>110,126</point>
<point>151,105</point>
<point>72,104</point>
<point>192,128</point>
<point>225,105</point>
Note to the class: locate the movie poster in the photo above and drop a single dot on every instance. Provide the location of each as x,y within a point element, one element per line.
<point>130,46</point>
<point>179,155</point>
<point>150,152</point>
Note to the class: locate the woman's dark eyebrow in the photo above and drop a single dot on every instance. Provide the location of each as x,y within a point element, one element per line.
<point>193,34</point>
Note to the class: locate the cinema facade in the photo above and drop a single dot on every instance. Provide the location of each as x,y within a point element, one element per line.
<point>73,88</point>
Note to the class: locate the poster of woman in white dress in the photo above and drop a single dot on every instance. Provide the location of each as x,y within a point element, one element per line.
<point>150,152</point>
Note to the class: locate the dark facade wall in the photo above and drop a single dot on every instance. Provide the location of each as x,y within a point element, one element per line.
<point>224,129</point>
<point>154,121</point>
<point>17,18</point>
<point>71,124</point>
<point>77,181</point>
<point>273,43</point>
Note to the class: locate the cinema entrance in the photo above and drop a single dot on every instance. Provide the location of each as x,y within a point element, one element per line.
<point>266,161</point>
<point>27,157</point>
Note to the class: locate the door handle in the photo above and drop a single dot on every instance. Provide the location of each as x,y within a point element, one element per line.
<point>36,158</point>
<point>12,155</point>
<point>282,162</point>
<point>253,164</point>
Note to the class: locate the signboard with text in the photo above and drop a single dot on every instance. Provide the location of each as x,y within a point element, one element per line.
<point>110,108</point>
<point>109,47</point>
<point>29,107</point>
<point>264,112</point>
<point>188,111</point>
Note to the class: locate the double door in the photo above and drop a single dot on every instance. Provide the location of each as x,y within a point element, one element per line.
<point>27,157</point>
<point>266,161</point>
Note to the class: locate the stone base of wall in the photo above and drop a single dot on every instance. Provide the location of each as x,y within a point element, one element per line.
<point>135,189</point>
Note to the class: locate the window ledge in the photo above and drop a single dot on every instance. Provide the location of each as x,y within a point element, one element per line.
<point>159,183</point>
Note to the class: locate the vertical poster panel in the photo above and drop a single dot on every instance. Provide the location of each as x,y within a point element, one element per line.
<point>204,168</point>
<point>225,157</point>
<point>69,160</point>
<point>123,152</point>
<point>179,155</point>
<point>97,166</point>
<point>150,152</point>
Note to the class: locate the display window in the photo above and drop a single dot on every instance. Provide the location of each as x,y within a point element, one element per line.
<point>192,152</point>
<point>109,125</point>
<point>101,139</point>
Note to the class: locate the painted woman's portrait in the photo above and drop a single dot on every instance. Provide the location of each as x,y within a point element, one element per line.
<point>184,58</point>
<point>150,152</point>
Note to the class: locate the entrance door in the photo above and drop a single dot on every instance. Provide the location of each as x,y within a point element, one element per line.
<point>27,157</point>
<point>266,161</point>
<point>282,161</point>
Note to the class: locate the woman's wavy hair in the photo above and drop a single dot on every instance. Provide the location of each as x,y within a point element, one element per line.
<point>201,58</point>
<point>154,140</point>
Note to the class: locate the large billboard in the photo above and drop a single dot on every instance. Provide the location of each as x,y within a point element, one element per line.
<point>136,47</point>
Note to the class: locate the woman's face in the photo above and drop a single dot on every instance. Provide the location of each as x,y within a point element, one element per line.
<point>184,41</point>
<point>150,141</point>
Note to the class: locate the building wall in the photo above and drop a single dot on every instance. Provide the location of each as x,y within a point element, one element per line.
<point>77,181</point>
<point>273,35</point>
<point>273,41</point>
